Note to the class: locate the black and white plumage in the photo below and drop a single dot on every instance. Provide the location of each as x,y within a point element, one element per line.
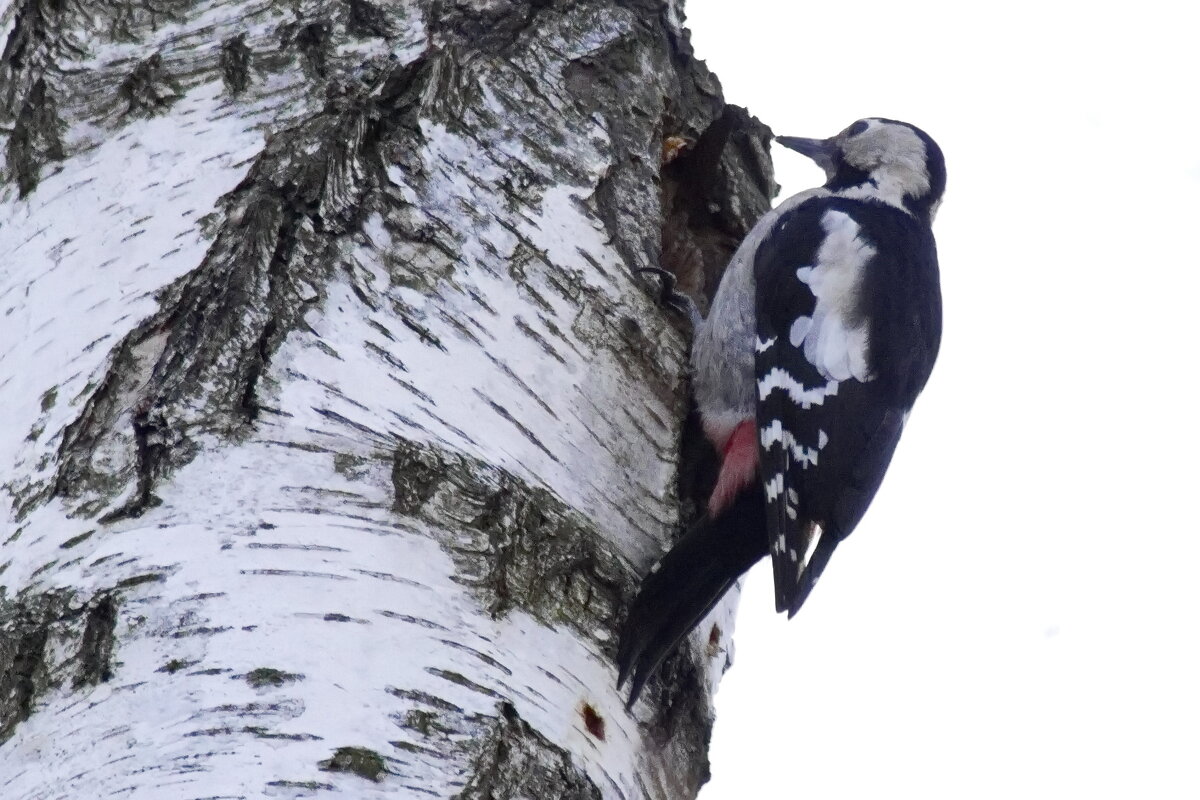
<point>823,332</point>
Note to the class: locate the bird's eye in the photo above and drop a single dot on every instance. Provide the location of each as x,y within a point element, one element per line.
<point>857,128</point>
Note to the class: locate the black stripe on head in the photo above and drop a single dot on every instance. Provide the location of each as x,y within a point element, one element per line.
<point>846,176</point>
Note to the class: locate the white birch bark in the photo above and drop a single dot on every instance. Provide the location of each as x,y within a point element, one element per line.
<point>337,428</point>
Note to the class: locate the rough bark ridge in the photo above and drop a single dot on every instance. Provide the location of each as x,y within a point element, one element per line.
<point>338,426</point>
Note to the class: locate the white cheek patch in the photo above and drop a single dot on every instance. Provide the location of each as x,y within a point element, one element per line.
<point>833,342</point>
<point>904,172</point>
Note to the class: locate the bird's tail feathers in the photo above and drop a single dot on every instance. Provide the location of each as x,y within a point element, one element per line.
<point>686,584</point>
<point>811,572</point>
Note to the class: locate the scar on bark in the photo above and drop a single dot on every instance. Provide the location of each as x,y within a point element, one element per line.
<point>592,721</point>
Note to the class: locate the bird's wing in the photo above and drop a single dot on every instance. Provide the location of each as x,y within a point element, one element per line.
<point>821,418</point>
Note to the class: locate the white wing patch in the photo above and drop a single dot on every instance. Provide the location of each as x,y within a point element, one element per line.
<point>833,340</point>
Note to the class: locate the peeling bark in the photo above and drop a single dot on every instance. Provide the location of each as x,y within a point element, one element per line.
<point>339,426</point>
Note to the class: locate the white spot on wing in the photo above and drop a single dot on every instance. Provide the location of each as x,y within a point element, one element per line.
<point>799,330</point>
<point>817,532</point>
<point>774,487</point>
<point>762,346</point>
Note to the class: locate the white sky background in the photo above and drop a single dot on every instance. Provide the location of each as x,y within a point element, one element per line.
<point>1017,616</point>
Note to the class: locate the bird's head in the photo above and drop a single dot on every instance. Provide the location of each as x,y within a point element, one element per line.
<point>890,161</point>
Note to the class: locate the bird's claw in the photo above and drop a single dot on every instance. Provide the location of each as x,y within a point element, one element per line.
<point>668,295</point>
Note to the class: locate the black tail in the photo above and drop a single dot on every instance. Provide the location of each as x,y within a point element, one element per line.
<point>687,583</point>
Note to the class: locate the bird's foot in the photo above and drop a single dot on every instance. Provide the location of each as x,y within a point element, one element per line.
<point>671,297</point>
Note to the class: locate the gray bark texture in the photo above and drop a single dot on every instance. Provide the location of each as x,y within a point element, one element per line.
<point>338,427</point>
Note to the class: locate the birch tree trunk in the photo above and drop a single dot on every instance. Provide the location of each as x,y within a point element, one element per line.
<point>336,426</point>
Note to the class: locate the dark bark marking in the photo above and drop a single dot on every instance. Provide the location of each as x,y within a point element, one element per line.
<point>74,540</point>
<point>50,640</point>
<point>504,414</point>
<point>514,760</point>
<point>236,61</point>
<point>138,580</point>
<point>264,677</point>
<point>458,679</point>
<point>149,90</point>
<point>358,761</point>
<point>422,622</point>
<point>315,43</point>
<point>21,659</point>
<point>36,138</point>
<point>371,20</point>
<point>96,648</point>
<point>306,786</point>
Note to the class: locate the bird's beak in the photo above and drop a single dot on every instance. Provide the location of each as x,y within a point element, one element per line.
<point>822,151</point>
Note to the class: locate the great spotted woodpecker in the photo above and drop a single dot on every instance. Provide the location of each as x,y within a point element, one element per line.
<point>820,337</point>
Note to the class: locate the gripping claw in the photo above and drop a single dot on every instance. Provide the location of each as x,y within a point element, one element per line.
<point>670,296</point>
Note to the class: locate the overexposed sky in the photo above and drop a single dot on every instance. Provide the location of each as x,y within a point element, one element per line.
<point>1017,614</point>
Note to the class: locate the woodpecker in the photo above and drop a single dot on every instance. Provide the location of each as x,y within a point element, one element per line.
<point>822,333</point>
